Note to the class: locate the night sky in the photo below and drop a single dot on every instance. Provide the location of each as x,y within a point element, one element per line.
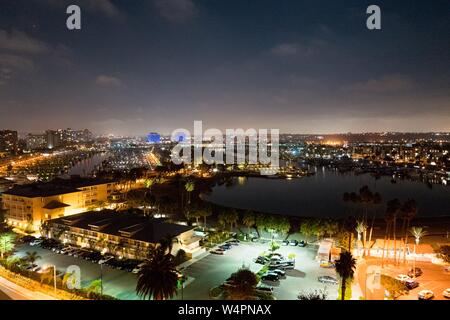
<point>157,65</point>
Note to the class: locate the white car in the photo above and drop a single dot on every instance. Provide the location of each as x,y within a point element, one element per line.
<point>446,293</point>
<point>426,295</point>
<point>105,259</point>
<point>402,277</point>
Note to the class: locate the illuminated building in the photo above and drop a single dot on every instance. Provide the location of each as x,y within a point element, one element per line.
<point>8,141</point>
<point>123,233</point>
<point>29,205</point>
<point>154,137</point>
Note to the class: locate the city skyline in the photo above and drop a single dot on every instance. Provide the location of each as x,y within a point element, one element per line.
<point>156,66</point>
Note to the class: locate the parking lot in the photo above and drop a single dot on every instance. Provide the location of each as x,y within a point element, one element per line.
<point>117,283</point>
<point>434,278</point>
<point>204,274</point>
<point>212,271</point>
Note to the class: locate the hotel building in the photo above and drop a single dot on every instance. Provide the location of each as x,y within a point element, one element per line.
<point>27,206</point>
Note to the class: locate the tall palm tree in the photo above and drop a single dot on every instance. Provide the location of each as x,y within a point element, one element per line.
<point>418,233</point>
<point>376,200</point>
<point>158,277</point>
<point>249,219</point>
<point>360,229</point>
<point>345,268</point>
<point>393,208</point>
<point>349,226</point>
<point>205,212</point>
<point>166,243</point>
<point>409,211</point>
<point>189,186</point>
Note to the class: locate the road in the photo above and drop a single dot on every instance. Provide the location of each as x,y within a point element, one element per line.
<point>11,291</point>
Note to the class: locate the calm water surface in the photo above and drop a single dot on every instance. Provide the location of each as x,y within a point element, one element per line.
<point>320,195</point>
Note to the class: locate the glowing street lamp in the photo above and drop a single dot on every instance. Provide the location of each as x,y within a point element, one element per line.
<point>54,274</point>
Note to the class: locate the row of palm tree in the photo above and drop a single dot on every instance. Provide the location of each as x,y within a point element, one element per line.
<point>396,210</point>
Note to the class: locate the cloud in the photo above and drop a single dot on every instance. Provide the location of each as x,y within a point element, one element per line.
<point>385,84</point>
<point>176,11</point>
<point>296,49</point>
<point>11,65</point>
<point>20,42</point>
<point>108,81</point>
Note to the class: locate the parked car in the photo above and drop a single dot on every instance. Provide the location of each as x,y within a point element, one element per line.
<point>326,264</point>
<point>35,242</point>
<point>327,280</point>
<point>31,267</point>
<point>425,295</point>
<point>218,251</point>
<point>279,272</point>
<point>65,250</point>
<point>275,254</point>
<point>285,242</point>
<point>411,284</point>
<point>255,239</point>
<point>225,246</point>
<point>27,239</point>
<point>261,260</point>
<point>446,293</point>
<point>105,259</point>
<point>402,277</point>
<point>302,243</point>
<point>264,289</point>
<point>447,269</point>
<point>415,273</point>
<point>293,243</point>
<point>270,277</point>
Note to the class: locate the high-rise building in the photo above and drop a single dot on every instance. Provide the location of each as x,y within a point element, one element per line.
<point>36,141</point>
<point>53,139</point>
<point>8,141</point>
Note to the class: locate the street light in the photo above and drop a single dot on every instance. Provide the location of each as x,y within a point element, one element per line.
<point>54,274</point>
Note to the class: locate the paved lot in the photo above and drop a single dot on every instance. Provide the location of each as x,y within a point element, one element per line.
<point>434,278</point>
<point>207,273</point>
<point>118,283</point>
<point>212,270</point>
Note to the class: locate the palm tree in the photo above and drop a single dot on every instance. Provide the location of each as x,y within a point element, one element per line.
<point>409,211</point>
<point>166,243</point>
<point>392,210</point>
<point>205,212</point>
<point>360,229</point>
<point>158,276</point>
<point>349,226</point>
<point>345,268</point>
<point>189,186</point>
<point>244,282</point>
<point>31,257</point>
<point>249,219</point>
<point>417,233</point>
<point>94,288</point>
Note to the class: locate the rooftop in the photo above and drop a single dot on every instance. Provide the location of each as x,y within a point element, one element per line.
<point>123,224</point>
<point>54,187</point>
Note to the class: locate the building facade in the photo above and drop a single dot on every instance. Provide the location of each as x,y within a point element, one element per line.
<point>9,141</point>
<point>27,206</point>
<point>121,233</point>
